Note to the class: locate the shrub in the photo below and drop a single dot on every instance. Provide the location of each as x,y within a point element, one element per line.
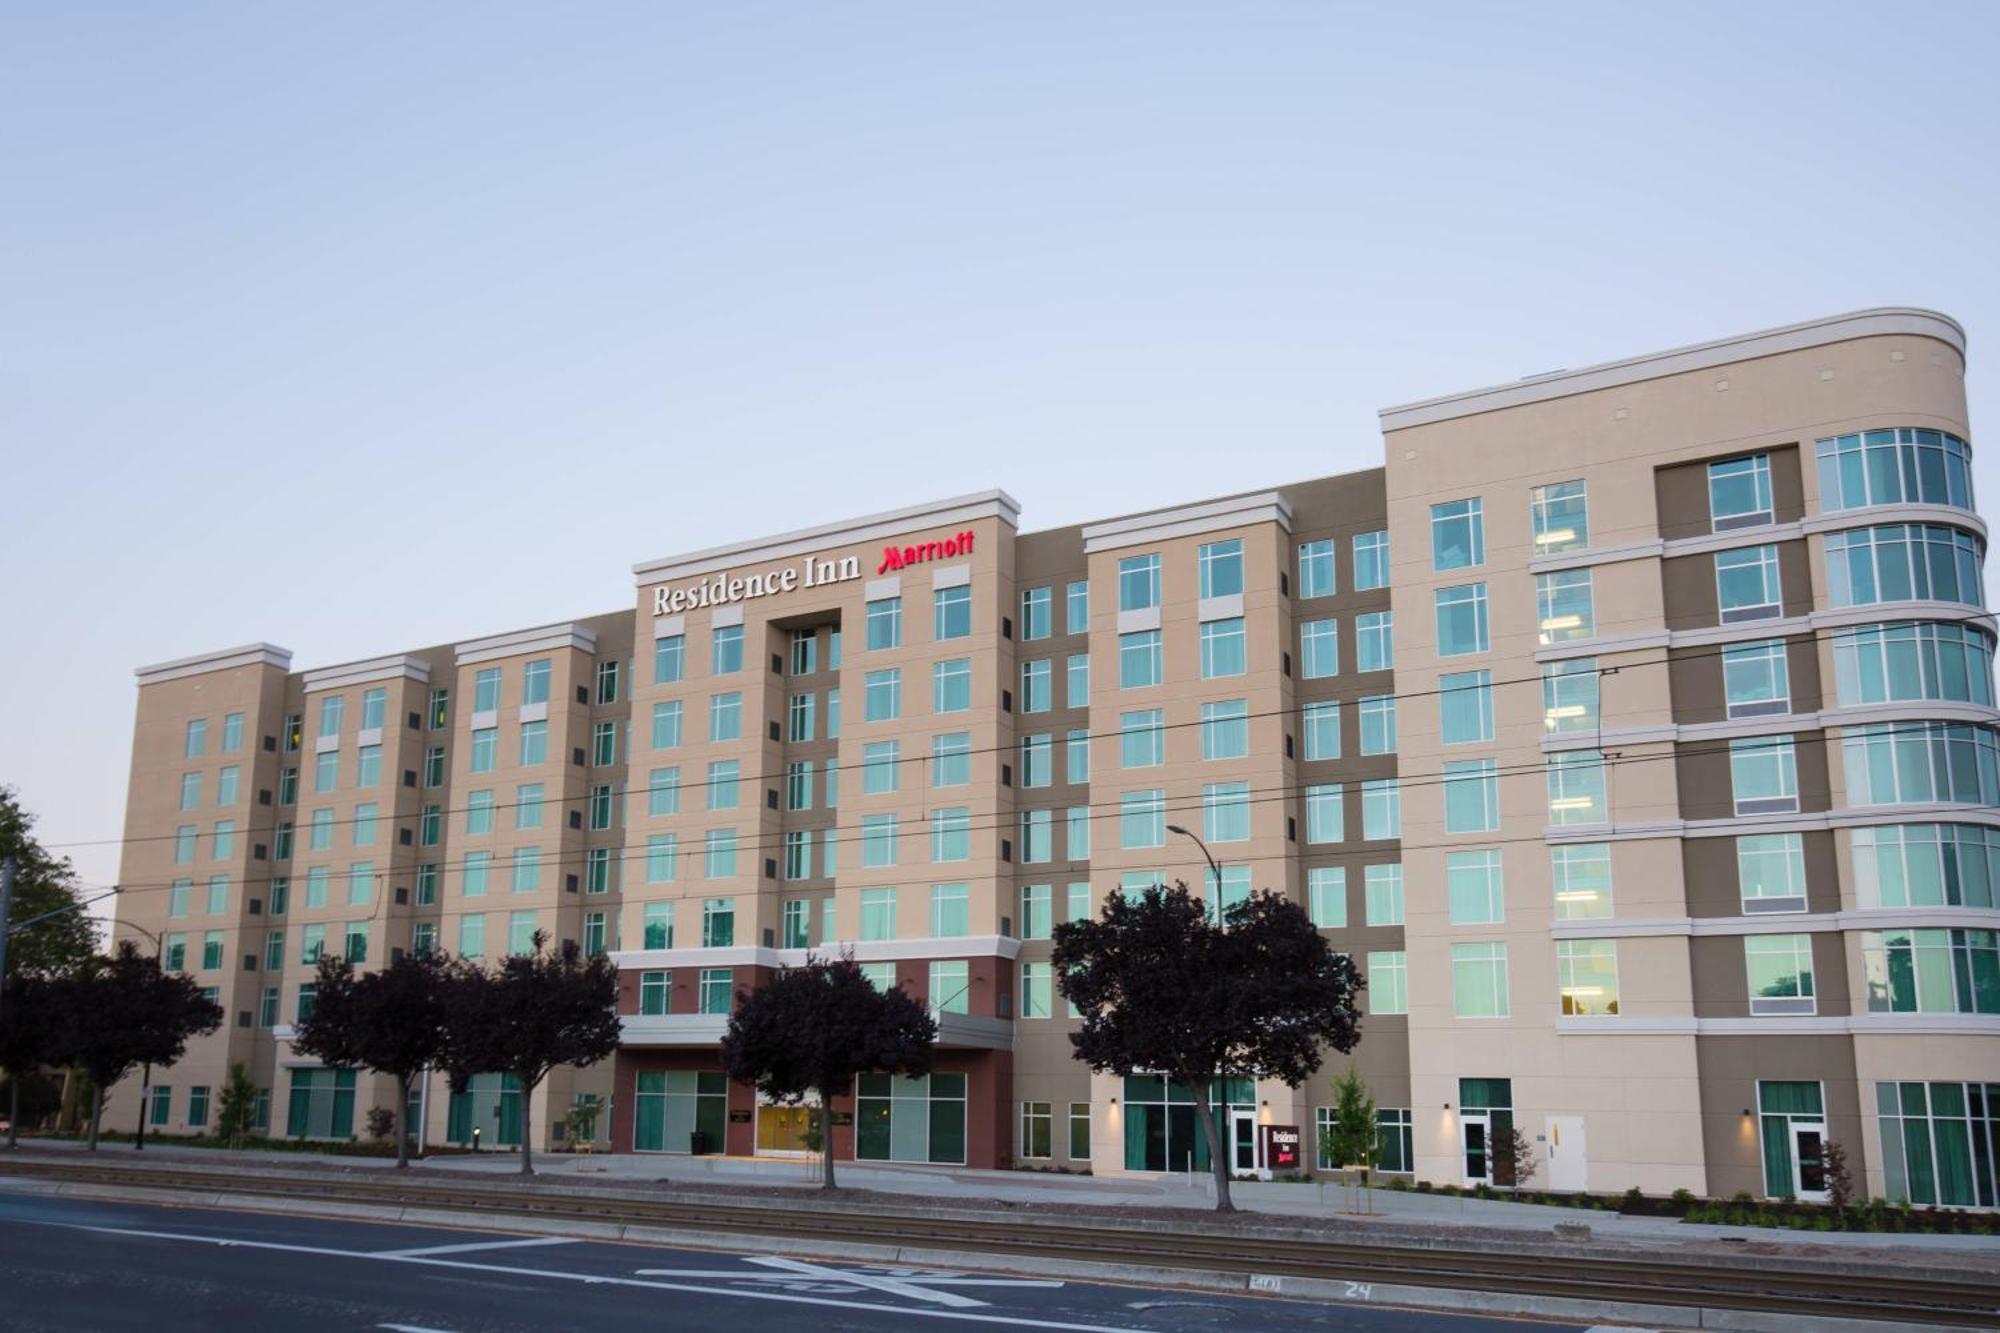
<point>1682,1199</point>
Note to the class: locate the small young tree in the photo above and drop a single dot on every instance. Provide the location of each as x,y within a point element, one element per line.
<point>236,1106</point>
<point>30,1037</point>
<point>813,1029</point>
<point>1163,989</point>
<point>1350,1140</point>
<point>1839,1177</point>
<point>1513,1157</point>
<point>527,1015</point>
<point>391,1021</point>
<point>124,1012</point>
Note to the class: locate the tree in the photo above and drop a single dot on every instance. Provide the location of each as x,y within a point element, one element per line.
<point>814,1029</point>
<point>1350,1141</point>
<point>1162,989</point>
<point>64,940</point>
<point>391,1021</point>
<point>30,1037</point>
<point>236,1105</point>
<point>1513,1156</point>
<point>1839,1177</point>
<point>124,1011</point>
<point>527,1015</point>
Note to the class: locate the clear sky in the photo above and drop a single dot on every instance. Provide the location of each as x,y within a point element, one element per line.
<point>361,327</point>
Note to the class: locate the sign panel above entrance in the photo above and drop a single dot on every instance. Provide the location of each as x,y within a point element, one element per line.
<point>810,572</point>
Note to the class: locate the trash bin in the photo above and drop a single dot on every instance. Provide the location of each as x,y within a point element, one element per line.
<point>698,1143</point>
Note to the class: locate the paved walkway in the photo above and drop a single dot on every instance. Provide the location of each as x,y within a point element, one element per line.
<point>958,1184</point>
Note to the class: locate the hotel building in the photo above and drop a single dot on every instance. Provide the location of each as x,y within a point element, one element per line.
<point>1631,727</point>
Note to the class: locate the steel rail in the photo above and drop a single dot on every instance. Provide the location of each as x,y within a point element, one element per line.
<point>1798,1287</point>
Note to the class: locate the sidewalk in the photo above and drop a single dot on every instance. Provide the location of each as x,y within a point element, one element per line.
<point>1046,1189</point>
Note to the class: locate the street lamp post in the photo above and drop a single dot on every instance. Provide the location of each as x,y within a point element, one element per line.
<point>1213,867</point>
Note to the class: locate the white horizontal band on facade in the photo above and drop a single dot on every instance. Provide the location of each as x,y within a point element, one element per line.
<point>1886,321</point>
<point>1933,1025</point>
<point>1780,923</point>
<point>1733,539</point>
<point>1775,627</point>
<point>1808,822</point>
<point>847,532</point>
<point>1236,511</point>
<point>864,951</point>
<point>954,1031</point>
<point>1774,724</point>
<point>249,654</point>
<point>540,639</point>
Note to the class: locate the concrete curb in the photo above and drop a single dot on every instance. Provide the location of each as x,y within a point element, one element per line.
<point>1353,1294</point>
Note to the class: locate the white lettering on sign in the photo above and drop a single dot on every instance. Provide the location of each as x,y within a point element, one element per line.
<point>722,590</point>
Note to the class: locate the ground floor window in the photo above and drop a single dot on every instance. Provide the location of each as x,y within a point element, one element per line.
<point>1079,1131</point>
<point>910,1119</point>
<point>1037,1130</point>
<point>163,1105</point>
<point>1161,1131</point>
<point>679,1110</point>
<point>1792,1117</point>
<point>322,1104</point>
<point>1395,1146</point>
<point>1940,1142</point>
<point>260,1112</point>
<point>491,1104</point>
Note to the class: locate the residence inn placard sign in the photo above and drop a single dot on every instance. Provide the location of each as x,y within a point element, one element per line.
<point>811,572</point>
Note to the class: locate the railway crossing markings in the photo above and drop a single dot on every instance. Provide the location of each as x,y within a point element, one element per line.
<point>919,1284</point>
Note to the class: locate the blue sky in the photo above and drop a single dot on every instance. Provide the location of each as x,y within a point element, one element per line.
<point>362,327</point>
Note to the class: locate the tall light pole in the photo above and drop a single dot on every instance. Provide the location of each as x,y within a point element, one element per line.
<point>146,1077</point>
<point>1176,828</point>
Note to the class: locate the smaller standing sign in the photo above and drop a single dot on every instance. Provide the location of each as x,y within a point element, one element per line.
<point>1281,1147</point>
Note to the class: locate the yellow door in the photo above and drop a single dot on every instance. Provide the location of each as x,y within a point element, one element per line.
<point>781,1129</point>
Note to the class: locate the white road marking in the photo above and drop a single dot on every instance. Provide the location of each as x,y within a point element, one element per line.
<point>908,1282</point>
<point>593,1279</point>
<point>477,1245</point>
<point>412,1328</point>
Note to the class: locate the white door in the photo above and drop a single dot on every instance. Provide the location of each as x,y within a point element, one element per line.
<point>1474,1137</point>
<point>1243,1141</point>
<point>1569,1166</point>
<point>1809,1161</point>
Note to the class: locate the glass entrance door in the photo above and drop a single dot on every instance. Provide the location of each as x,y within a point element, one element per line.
<point>1243,1141</point>
<point>1809,1162</point>
<point>781,1130</point>
<point>1475,1129</point>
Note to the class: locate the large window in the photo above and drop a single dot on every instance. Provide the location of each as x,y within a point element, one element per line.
<point>1560,513</point>
<point>910,1119</point>
<point>1141,738</point>
<point>882,695</point>
<point>1764,775</point>
<point>1037,685</point>
<point>1739,492</point>
<point>951,685</point>
<point>1225,729</point>
<point>1325,820</point>
<point>1316,575</point>
<point>1913,660</point>
<point>669,659</point>
<point>1378,723</point>
<point>1381,809</point>
<point>1461,620</point>
<point>1474,888</point>
<point>1225,808</point>
<point>1471,796</point>
<point>1076,607</point>
<point>1388,984</point>
<point>1139,659</point>
<point>1920,763</point>
<point>1138,582</point>
<point>1900,562</point>
<point>1319,649</point>
<point>1756,679</point>
<point>1220,565</point>
<point>1902,466</point>
<point>1374,641</point>
<point>1576,788</point>
<point>1771,872</point>
<point>1587,977</point>
<point>951,759</point>
<point>1465,707</point>
<point>1581,876</point>
<point>1222,648</point>
<point>951,835</point>
<point>1479,980</point>
<point>1940,1143</point>
<point>1142,819</point>
<point>666,724</point>
<point>1076,681</point>
<point>884,623</point>
<point>951,612</point>
<point>1780,973</point>
<point>1326,896</point>
<point>1932,971</point>
<point>1747,586</point>
<point>1570,693</point>
<point>1037,613</point>
<point>1382,894</point>
<point>1565,607</point>
<point>1458,535</point>
<point>670,1108</point>
<point>725,716</point>
<point>1319,726</point>
<point>1926,865</point>
<point>1371,561</point>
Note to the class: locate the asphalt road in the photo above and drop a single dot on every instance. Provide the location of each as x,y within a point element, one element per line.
<point>74,1264</point>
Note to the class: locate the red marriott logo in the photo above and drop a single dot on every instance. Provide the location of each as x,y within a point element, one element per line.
<point>896,557</point>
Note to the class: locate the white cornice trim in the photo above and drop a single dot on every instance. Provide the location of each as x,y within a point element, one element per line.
<point>1773,724</point>
<point>249,654</point>
<point>1778,627</point>
<point>1782,1025</point>
<point>400,667</point>
<point>1155,525</point>
<point>1873,323</point>
<point>864,951</point>
<point>847,532</point>
<point>541,639</point>
<point>1842,520</point>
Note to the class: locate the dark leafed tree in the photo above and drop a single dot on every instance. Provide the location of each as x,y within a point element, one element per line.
<point>529,1014</point>
<point>1162,989</point>
<point>31,1036</point>
<point>64,938</point>
<point>124,1011</point>
<point>391,1021</point>
<point>811,1030</point>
